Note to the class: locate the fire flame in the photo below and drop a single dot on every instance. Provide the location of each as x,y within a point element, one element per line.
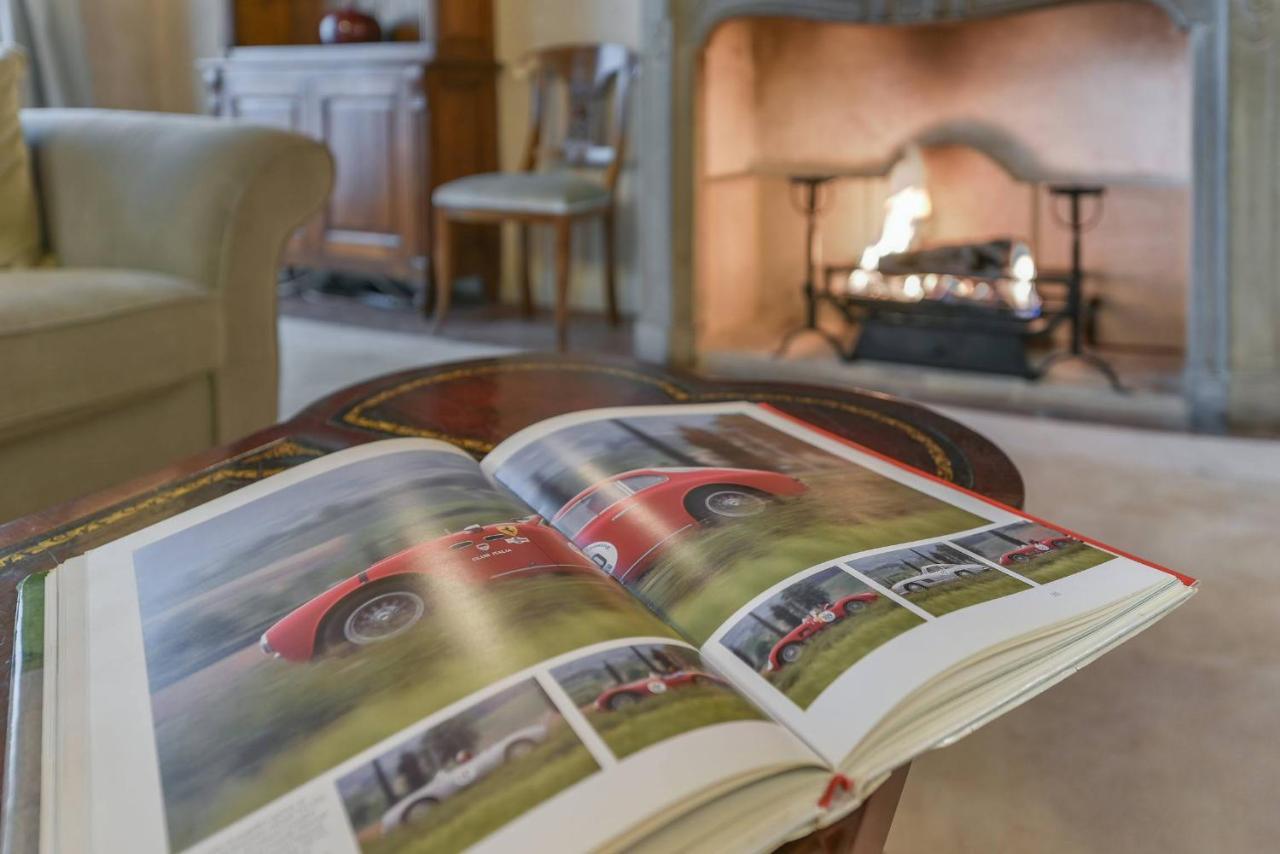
<point>903,210</point>
<point>1022,291</point>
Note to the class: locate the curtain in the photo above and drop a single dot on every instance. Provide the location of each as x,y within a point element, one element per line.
<point>52,33</point>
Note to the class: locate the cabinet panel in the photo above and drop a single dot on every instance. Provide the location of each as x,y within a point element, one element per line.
<point>267,22</point>
<point>360,133</point>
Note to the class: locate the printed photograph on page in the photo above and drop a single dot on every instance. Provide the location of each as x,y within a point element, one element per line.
<point>700,512</point>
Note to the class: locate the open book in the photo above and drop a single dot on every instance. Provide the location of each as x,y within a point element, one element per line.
<point>665,628</point>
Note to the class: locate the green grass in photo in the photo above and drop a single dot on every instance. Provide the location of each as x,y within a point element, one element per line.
<point>31,591</point>
<point>477,811</point>
<point>830,653</point>
<point>661,716</point>
<point>713,574</point>
<point>964,592</point>
<point>1061,563</point>
<point>281,723</point>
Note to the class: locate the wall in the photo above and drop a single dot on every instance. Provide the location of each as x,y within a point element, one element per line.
<point>520,27</point>
<point>1097,92</point>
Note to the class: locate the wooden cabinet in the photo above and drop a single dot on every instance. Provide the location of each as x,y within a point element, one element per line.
<point>398,119</point>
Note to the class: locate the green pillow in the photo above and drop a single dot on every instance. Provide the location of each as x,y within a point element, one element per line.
<point>19,217</point>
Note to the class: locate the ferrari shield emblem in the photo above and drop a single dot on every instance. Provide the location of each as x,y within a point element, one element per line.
<point>507,530</point>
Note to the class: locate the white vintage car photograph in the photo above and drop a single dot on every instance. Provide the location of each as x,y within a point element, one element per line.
<point>463,770</point>
<point>937,573</point>
<point>448,785</point>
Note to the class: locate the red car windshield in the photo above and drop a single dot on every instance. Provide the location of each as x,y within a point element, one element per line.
<point>602,498</point>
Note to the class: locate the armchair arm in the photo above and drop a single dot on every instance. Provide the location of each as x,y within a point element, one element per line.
<point>207,200</point>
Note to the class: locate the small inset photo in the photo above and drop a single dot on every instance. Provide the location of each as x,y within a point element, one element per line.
<point>802,638</point>
<point>1032,550</point>
<point>462,779</point>
<point>640,694</point>
<point>938,578</point>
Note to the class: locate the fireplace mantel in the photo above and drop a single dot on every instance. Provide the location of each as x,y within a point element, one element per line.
<point>1233,335</point>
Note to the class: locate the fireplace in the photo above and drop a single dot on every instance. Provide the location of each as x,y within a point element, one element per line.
<point>1184,258</point>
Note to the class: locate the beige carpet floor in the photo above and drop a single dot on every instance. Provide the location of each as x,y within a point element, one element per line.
<point>1171,743</point>
<point>318,358</point>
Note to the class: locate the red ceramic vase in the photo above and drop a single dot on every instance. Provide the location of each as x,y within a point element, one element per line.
<point>349,25</point>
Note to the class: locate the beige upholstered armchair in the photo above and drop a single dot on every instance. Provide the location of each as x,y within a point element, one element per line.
<point>151,334</point>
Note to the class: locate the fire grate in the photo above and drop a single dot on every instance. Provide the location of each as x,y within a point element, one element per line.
<point>992,336</point>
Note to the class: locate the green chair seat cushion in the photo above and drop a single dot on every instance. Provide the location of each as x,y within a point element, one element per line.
<point>555,193</point>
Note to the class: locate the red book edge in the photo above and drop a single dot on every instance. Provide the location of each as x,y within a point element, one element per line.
<point>1185,579</point>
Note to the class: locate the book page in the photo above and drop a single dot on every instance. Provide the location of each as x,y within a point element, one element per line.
<point>380,651</point>
<point>827,581</point>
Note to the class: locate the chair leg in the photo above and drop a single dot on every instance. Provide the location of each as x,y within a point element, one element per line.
<point>490,237</point>
<point>443,265</point>
<point>563,258</point>
<point>610,280</point>
<point>526,263</point>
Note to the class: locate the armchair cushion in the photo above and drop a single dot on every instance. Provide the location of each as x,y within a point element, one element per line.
<point>19,216</point>
<point>555,193</point>
<point>75,339</point>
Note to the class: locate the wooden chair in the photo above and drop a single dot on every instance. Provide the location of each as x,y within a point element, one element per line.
<point>551,189</point>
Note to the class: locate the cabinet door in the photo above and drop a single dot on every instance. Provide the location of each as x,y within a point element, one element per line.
<point>373,120</point>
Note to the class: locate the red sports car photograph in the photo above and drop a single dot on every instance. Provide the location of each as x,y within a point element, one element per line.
<point>388,598</point>
<point>1035,548</point>
<point>621,696</point>
<point>790,646</point>
<point>624,522</point>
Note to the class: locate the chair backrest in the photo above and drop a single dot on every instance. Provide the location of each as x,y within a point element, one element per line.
<point>594,81</point>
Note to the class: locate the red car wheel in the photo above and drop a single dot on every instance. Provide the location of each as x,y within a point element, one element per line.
<point>1020,558</point>
<point>373,615</point>
<point>720,501</point>
<point>791,653</point>
<point>855,605</point>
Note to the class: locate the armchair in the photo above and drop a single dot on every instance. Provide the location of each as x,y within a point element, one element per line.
<point>153,333</point>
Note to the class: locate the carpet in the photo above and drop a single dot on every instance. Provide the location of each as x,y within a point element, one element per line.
<point>1164,745</point>
<point>319,358</point>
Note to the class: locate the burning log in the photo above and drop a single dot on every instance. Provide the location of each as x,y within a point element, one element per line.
<point>991,260</point>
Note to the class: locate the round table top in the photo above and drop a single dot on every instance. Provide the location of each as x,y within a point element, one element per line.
<point>477,404</point>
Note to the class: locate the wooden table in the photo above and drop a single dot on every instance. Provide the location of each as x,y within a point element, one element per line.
<point>474,405</point>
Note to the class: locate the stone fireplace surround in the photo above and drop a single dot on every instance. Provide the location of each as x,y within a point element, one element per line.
<point>1232,374</point>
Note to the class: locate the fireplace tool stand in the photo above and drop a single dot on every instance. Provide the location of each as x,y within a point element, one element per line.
<point>812,205</point>
<point>1075,285</point>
